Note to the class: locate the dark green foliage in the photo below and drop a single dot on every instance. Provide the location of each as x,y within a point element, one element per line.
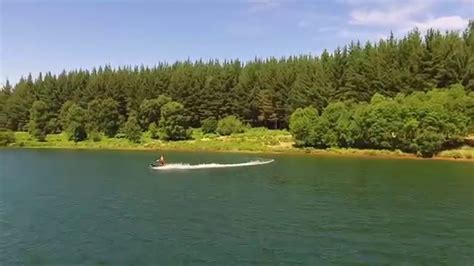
<point>75,122</point>
<point>302,122</point>
<point>110,121</point>
<point>37,126</point>
<point>359,90</point>
<point>95,136</point>
<point>262,92</point>
<point>173,123</point>
<point>104,116</point>
<point>150,110</point>
<point>154,131</point>
<point>63,114</point>
<point>6,137</point>
<point>428,142</point>
<point>53,126</point>
<point>209,125</point>
<point>5,93</point>
<point>132,130</point>
<point>267,109</point>
<point>229,125</point>
<point>421,122</point>
<point>94,114</point>
<point>18,105</point>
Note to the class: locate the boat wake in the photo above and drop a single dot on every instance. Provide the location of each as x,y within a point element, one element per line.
<point>172,166</point>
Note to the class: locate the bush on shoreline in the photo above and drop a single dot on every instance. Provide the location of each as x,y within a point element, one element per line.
<point>420,123</point>
<point>229,125</point>
<point>6,138</point>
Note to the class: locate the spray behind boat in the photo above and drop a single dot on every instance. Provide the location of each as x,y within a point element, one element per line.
<point>165,166</point>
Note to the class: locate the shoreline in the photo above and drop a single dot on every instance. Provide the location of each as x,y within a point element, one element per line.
<point>254,141</point>
<point>354,153</point>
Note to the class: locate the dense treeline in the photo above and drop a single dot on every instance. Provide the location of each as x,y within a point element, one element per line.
<point>420,123</point>
<point>170,98</point>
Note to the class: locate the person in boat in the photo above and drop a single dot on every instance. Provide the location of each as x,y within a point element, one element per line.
<point>161,161</point>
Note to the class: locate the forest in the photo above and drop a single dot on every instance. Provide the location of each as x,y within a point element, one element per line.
<point>413,93</point>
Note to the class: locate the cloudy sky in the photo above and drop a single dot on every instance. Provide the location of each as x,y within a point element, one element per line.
<point>39,36</point>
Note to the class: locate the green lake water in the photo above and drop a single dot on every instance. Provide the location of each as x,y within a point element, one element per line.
<point>109,207</point>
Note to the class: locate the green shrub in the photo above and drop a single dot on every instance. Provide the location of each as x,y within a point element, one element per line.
<point>6,137</point>
<point>53,126</point>
<point>76,122</point>
<point>150,110</point>
<point>429,143</point>
<point>154,131</point>
<point>173,122</point>
<point>209,125</point>
<point>301,124</point>
<point>457,155</point>
<point>95,136</point>
<point>132,130</point>
<point>37,127</point>
<point>229,125</point>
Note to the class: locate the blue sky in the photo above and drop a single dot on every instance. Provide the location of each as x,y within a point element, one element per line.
<point>40,36</point>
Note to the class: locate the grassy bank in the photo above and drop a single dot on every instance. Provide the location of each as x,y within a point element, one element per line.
<point>254,140</point>
<point>465,152</point>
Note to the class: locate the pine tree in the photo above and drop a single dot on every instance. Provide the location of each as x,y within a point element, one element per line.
<point>39,116</point>
<point>150,110</point>
<point>109,117</point>
<point>259,92</point>
<point>5,93</point>
<point>173,124</point>
<point>76,122</point>
<point>132,129</point>
<point>267,109</point>
<point>18,106</point>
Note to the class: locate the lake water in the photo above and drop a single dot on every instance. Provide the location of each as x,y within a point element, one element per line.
<point>109,207</point>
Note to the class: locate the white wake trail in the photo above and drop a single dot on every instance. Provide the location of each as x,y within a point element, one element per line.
<point>172,166</point>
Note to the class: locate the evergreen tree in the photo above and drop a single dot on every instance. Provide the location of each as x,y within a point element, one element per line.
<point>209,125</point>
<point>132,130</point>
<point>109,117</point>
<point>302,122</point>
<point>267,109</point>
<point>76,122</point>
<point>94,109</point>
<point>265,92</point>
<point>64,113</point>
<point>173,124</point>
<point>150,110</point>
<point>18,106</point>
<point>38,120</point>
<point>5,93</point>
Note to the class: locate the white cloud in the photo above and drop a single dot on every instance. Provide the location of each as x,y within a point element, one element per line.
<point>442,23</point>
<point>404,16</point>
<point>391,16</point>
<point>384,2</point>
